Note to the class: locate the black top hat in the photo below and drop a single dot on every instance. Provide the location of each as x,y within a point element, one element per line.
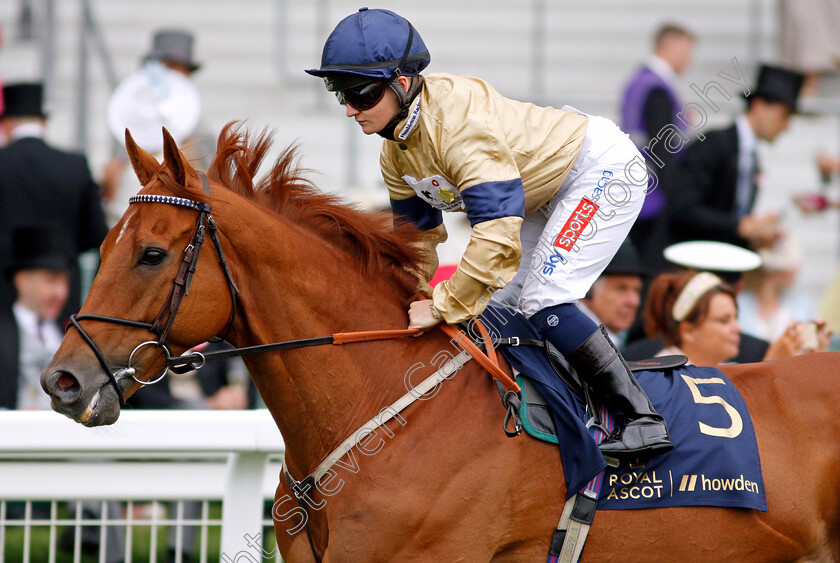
<point>173,46</point>
<point>778,84</point>
<point>23,99</point>
<point>39,248</point>
<point>626,262</point>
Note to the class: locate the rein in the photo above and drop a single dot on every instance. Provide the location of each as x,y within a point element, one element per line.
<point>181,287</point>
<point>187,362</point>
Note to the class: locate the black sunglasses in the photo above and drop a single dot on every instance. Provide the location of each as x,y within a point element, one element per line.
<point>361,96</point>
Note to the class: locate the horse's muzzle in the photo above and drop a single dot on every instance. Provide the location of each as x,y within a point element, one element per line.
<point>95,405</point>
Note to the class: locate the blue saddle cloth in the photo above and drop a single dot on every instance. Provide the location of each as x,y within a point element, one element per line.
<point>715,460</point>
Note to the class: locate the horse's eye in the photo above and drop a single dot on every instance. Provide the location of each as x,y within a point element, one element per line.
<point>152,257</point>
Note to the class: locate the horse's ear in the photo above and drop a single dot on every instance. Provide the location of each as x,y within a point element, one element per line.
<point>174,160</point>
<point>143,163</point>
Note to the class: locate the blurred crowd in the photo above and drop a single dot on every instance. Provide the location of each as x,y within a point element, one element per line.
<point>702,273</point>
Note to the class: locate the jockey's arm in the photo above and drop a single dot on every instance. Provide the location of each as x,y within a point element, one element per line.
<point>489,261</point>
<point>484,172</point>
<point>428,245</point>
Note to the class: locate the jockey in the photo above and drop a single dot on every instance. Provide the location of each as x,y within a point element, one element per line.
<point>550,195</point>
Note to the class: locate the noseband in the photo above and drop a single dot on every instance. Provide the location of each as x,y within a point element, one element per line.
<point>180,287</point>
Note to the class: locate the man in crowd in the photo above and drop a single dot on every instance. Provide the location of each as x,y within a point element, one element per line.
<point>44,186</point>
<point>30,334</point>
<point>615,297</point>
<point>649,107</point>
<point>171,50</point>
<point>29,331</point>
<point>718,177</point>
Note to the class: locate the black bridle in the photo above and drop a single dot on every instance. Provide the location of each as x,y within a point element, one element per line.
<point>180,287</point>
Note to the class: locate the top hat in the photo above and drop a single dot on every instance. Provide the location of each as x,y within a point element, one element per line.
<point>778,84</point>
<point>173,46</point>
<point>626,262</point>
<point>39,248</point>
<point>23,99</point>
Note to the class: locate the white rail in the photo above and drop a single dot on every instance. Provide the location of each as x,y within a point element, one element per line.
<point>231,456</point>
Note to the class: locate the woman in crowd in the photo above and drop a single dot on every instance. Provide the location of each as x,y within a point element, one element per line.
<point>693,314</point>
<point>696,314</point>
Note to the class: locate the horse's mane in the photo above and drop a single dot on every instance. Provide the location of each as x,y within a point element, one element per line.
<point>382,250</point>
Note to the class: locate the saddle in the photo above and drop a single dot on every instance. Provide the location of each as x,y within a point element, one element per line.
<point>535,412</point>
<point>529,409</point>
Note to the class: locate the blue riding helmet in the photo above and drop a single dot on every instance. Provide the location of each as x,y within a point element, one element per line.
<point>376,44</point>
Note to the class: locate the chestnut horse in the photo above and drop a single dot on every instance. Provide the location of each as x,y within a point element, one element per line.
<point>445,483</point>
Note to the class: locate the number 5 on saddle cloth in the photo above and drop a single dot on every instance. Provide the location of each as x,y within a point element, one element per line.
<point>715,459</point>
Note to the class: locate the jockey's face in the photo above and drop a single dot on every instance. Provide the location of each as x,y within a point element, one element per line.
<point>374,119</point>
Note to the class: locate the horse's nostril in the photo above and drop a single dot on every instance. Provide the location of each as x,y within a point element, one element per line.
<point>66,381</point>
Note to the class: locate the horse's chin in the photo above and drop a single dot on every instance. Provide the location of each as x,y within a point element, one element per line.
<point>102,409</point>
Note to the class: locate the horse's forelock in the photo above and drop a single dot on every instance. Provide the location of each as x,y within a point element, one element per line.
<point>380,248</point>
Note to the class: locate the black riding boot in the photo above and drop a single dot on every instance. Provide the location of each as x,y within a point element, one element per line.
<point>641,432</point>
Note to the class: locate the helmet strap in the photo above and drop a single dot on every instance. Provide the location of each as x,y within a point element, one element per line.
<point>404,99</point>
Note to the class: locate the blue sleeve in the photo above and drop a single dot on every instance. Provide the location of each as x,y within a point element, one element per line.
<point>417,212</point>
<point>493,200</point>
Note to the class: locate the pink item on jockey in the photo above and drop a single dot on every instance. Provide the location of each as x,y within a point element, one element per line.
<point>443,273</point>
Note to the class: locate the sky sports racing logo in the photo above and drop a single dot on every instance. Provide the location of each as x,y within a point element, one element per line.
<point>576,224</point>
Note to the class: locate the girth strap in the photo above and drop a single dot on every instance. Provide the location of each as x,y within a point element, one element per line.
<point>570,535</point>
<point>299,489</point>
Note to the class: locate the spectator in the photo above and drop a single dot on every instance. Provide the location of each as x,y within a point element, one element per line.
<point>43,186</point>
<point>729,262</point>
<point>172,50</point>
<point>809,38</point>
<point>3,133</point>
<point>615,297</point>
<point>649,106</point>
<point>816,202</point>
<point>718,175</point>
<point>768,305</point>
<point>694,314</point>
<point>30,331</point>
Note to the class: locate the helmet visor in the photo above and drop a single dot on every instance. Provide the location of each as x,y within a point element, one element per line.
<point>361,94</point>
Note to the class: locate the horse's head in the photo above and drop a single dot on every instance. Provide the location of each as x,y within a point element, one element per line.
<point>146,269</point>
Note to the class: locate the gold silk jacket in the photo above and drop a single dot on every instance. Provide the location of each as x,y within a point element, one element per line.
<point>464,147</point>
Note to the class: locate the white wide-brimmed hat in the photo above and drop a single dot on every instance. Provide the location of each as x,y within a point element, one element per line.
<point>149,99</point>
<point>706,255</point>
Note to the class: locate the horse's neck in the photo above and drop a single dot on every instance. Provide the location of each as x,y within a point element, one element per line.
<point>298,287</point>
